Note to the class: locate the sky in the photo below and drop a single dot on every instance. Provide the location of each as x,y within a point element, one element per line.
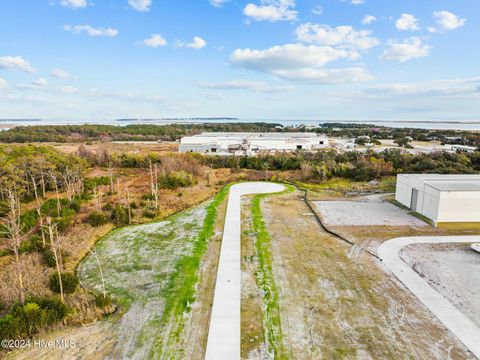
<point>253,59</point>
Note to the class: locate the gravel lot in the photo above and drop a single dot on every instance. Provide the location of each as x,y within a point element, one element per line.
<point>453,270</point>
<point>370,210</point>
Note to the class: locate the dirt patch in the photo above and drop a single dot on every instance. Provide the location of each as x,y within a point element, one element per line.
<point>333,305</point>
<point>253,345</point>
<point>453,270</point>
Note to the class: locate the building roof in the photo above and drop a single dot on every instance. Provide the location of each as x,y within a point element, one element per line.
<point>454,185</point>
<point>261,134</point>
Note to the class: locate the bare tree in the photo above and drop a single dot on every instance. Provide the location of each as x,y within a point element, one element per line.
<point>57,193</point>
<point>13,232</point>
<point>104,292</point>
<point>38,207</point>
<point>56,250</point>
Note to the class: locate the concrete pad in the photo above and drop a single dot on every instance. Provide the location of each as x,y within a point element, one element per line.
<point>366,211</point>
<point>462,327</point>
<point>224,332</point>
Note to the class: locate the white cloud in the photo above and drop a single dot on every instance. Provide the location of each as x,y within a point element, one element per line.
<point>317,10</point>
<point>74,4</point>
<point>68,89</point>
<point>154,41</point>
<point>298,62</point>
<point>407,50</point>
<point>140,5</point>
<point>355,2</point>
<point>448,20</point>
<point>3,84</point>
<point>91,31</point>
<point>272,10</point>
<point>407,22</point>
<point>435,88</point>
<point>197,43</point>
<point>341,36</point>
<point>218,3</point>
<point>60,74</point>
<point>16,63</point>
<point>40,82</point>
<point>255,86</point>
<point>368,19</point>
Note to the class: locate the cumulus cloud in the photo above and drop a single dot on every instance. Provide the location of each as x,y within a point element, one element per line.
<point>74,4</point>
<point>255,86</point>
<point>407,22</point>
<point>218,3</point>
<point>197,43</point>
<point>16,63</point>
<point>448,21</point>
<point>298,62</point>
<point>341,36</point>
<point>368,19</point>
<point>272,10</point>
<point>40,82</point>
<point>60,74</point>
<point>406,50</point>
<point>91,31</point>
<point>3,84</point>
<point>140,5</point>
<point>154,41</point>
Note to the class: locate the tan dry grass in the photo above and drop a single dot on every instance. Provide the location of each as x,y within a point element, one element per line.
<point>334,305</point>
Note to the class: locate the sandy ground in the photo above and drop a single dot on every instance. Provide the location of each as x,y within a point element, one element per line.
<point>453,270</point>
<point>369,210</point>
<point>336,306</point>
<point>136,262</point>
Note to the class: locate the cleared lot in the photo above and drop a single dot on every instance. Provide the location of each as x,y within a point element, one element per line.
<point>334,306</point>
<point>365,211</point>
<point>451,269</point>
<point>465,330</point>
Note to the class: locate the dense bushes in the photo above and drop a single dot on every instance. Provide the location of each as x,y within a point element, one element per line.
<point>357,166</point>
<point>175,180</point>
<point>97,218</point>
<point>25,320</point>
<point>69,282</point>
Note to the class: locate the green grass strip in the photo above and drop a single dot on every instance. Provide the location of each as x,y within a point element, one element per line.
<point>265,278</point>
<point>180,291</point>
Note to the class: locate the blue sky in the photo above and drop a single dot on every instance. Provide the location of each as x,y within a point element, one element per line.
<point>271,59</point>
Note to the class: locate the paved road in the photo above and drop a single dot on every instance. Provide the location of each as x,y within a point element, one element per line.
<point>224,333</point>
<point>462,327</point>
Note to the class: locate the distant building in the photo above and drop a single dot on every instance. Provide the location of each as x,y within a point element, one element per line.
<point>441,198</point>
<point>251,143</point>
<point>461,148</point>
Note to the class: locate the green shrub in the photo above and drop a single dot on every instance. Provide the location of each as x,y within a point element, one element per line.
<point>119,215</point>
<point>107,207</point>
<point>69,282</point>
<point>103,302</point>
<point>31,245</point>
<point>149,214</point>
<point>48,258</point>
<point>27,319</point>
<point>97,218</point>
<point>176,179</point>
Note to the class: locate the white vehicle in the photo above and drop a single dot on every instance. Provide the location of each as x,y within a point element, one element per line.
<point>476,247</point>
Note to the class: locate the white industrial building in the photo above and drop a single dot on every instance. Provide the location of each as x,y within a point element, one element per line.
<point>441,198</point>
<point>251,143</point>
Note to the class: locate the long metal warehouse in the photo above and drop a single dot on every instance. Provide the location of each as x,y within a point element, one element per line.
<point>441,198</point>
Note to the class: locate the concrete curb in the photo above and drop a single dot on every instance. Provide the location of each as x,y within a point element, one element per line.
<point>462,327</point>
